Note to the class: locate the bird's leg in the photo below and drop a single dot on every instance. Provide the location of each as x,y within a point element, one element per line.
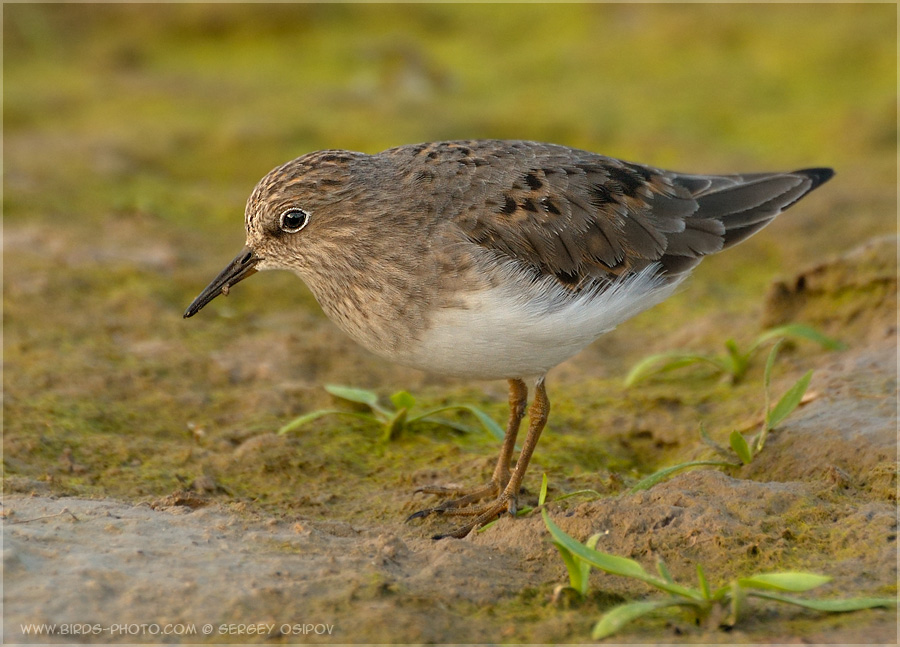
<point>506,502</point>
<point>537,418</point>
<point>518,398</point>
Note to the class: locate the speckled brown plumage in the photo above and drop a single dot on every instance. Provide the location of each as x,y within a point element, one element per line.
<point>493,259</point>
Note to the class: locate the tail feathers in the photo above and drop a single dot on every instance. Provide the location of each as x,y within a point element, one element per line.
<point>731,208</point>
<point>818,176</point>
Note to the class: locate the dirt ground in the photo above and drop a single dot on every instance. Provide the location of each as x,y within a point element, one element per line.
<point>821,497</point>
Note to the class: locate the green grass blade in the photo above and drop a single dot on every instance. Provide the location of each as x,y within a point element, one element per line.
<point>738,362</point>
<point>403,400</point>
<point>487,525</point>
<point>788,581</point>
<point>431,412</point>
<point>394,427</point>
<point>585,567</point>
<point>719,594</point>
<point>663,570</point>
<point>360,396</point>
<point>486,421</point>
<point>803,332</point>
<point>614,564</point>
<point>767,374</point>
<point>302,420</point>
<point>707,440</point>
<point>574,566</point>
<point>740,447</point>
<point>649,481</point>
<point>830,606</point>
<point>702,581</point>
<point>788,402</point>
<point>738,602</point>
<point>309,417</point>
<point>444,422</point>
<point>760,440</point>
<point>662,362</point>
<point>543,495</point>
<point>609,563</point>
<point>616,618</point>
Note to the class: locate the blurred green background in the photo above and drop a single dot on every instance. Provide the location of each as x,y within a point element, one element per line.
<point>133,135</point>
<point>176,111</point>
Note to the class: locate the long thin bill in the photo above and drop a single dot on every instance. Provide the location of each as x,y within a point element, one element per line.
<point>242,266</point>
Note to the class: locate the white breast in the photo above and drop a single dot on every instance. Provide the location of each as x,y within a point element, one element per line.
<point>523,328</point>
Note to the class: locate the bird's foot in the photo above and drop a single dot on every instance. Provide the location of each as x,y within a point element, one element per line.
<point>464,497</point>
<point>465,506</point>
<point>484,513</point>
<point>503,488</point>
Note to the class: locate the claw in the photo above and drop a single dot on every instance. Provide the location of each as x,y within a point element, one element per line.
<point>421,514</point>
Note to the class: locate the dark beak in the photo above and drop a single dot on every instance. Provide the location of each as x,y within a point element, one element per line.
<point>243,265</point>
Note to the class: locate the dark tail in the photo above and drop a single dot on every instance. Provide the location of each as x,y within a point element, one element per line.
<point>747,203</point>
<point>731,208</point>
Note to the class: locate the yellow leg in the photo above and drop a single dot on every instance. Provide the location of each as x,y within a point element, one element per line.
<point>507,499</point>
<point>518,398</point>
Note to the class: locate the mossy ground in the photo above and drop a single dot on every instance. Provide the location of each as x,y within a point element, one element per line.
<point>133,134</point>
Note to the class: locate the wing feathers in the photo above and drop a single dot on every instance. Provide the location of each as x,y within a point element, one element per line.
<point>584,218</point>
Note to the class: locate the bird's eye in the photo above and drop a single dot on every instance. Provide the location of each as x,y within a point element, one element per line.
<point>293,220</point>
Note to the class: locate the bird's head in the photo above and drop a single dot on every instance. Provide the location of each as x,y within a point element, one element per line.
<point>296,217</point>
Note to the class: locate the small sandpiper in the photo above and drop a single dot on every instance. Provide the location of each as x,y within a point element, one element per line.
<point>493,259</point>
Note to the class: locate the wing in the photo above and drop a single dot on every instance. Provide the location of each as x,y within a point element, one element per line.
<point>579,216</point>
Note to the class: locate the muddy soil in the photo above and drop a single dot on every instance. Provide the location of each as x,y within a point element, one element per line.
<point>821,497</point>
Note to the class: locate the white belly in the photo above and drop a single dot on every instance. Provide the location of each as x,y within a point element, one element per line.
<point>524,328</point>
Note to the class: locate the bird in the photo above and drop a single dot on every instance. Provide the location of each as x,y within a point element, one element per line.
<point>493,259</point>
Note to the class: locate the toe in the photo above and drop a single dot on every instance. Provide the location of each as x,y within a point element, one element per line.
<point>421,514</point>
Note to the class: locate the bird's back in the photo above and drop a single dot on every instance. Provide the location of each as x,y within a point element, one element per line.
<point>561,245</point>
<point>580,217</point>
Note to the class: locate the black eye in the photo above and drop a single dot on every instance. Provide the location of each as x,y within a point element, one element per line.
<point>293,220</point>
